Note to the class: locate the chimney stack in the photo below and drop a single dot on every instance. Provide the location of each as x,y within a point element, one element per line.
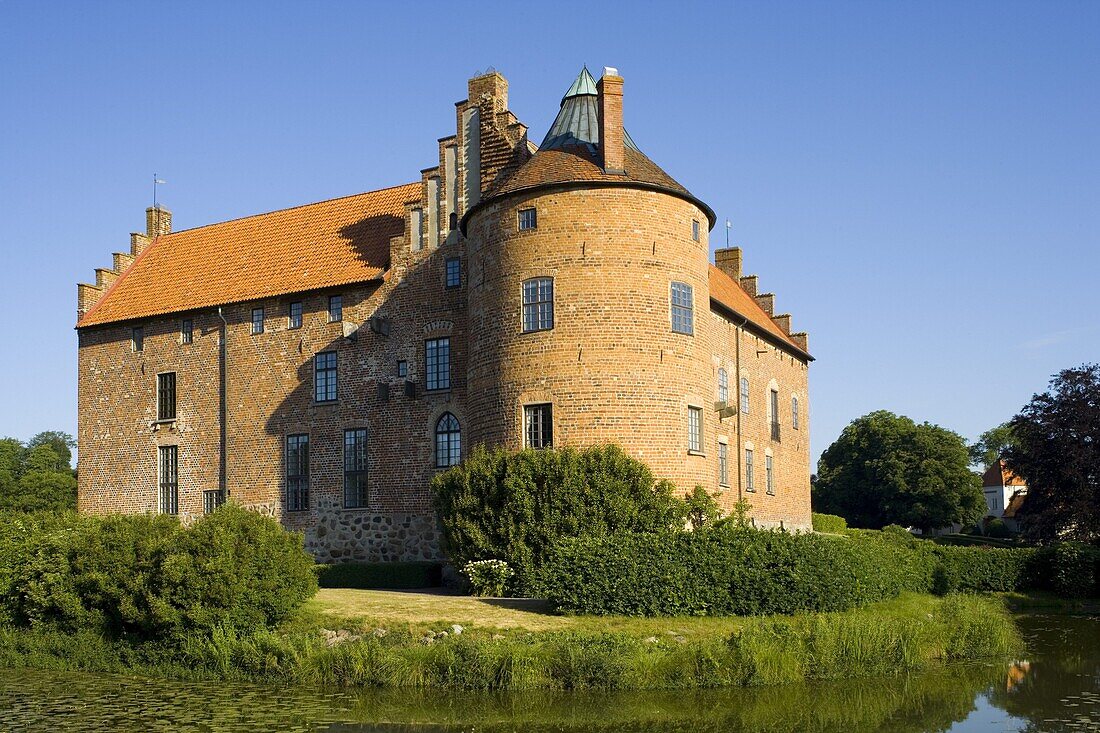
<point>158,220</point>
<point>609,90</point>
<point>728,260</point>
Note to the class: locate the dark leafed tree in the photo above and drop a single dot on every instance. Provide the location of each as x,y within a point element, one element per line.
<point>991,445</point>
<point>1057,453</point>
<point>887,469</point>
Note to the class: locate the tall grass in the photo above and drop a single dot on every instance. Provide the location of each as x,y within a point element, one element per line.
<point>914,634</point>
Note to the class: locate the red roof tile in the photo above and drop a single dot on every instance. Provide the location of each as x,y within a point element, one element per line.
<point>331,243</point>
<point>729,293</point>
<point>999,474</point>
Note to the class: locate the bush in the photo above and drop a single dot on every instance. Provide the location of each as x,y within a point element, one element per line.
<point>828,523</point>
<point>145,576</point>
<point>996,528</point>
<point>980,569</point>
<point>1069,569</point>
<point>515,506</point>
<point>381,575</point>
<point>488,577</point>
<point>728,571</point>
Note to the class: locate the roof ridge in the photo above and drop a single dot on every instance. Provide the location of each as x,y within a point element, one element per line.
<point>760,313</point>
<point>291,208</point>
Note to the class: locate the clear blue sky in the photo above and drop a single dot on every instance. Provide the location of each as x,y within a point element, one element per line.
<point>918,182</point>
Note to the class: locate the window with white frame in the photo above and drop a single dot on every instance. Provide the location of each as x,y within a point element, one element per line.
<point>528,219</point>
<point>682,309</point>
<point>695,429</point>
<point>723,386</point>
<point>538,304</point>
<point>745,395</point>
<point>257,320</point>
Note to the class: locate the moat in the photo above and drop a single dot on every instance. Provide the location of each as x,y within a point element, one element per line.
<point>1055,687</point>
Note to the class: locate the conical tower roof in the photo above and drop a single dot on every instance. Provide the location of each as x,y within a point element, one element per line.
<point>578,120</point>
<point>570,155</point>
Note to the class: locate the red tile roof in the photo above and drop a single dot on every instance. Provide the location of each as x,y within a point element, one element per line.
<point>581,163</point>
<point>331,243</point>
<point>999,474</point>
<point>729,293</point>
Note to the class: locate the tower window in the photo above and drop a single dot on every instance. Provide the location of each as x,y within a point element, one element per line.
<point>683,309</point>
<point>437,363</point>
<point>538,425</point>
<point>695,229</point>
<point>402,368</point>
<point>695,429</point>
<point>294,317</point>
<point>355,468</point>
<point>324,377</point>
<point>448,441</point>
<point>297,472</point>
<point>794,413</point>
<point>454,272</point>
<point>538,304</point>
<point>528,219</point>
<point>169,488</point>
<point>257,320</point>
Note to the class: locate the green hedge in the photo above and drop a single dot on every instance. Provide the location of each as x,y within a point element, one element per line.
<point>381,575</point>
<point>728,570</point>
<point>828,523</point>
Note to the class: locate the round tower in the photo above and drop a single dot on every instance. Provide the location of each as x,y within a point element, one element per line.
<point>589,298</point>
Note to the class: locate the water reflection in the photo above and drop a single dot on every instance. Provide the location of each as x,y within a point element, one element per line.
<point>1056,689</point>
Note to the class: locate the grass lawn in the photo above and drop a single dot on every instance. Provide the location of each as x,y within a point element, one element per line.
<point>436,609</point>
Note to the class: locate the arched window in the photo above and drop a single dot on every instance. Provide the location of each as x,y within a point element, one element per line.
<point>448,441</point>
<point>723,386</point>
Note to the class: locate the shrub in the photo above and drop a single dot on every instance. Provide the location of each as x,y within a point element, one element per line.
<point>145,576</point>
<point>381,575</point>
<point>996,528</point>
<point>1069,569</point>
<point>488,577</point>
<point>980,569</point>
<point>515,506</point>
<point>828,523</point>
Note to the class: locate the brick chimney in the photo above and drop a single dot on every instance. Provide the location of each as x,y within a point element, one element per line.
<point>728,260</point>
<point>158,220</point>
<point>609,90</point>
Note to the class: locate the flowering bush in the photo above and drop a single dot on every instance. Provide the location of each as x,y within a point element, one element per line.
<point>488,577</point>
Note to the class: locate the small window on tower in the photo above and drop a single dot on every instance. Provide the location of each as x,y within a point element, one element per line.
<point>454,272</point>
<point>695,229</point>
<point>402,368</point>
<point>528,219</point>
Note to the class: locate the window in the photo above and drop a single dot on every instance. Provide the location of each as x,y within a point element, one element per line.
<point>211,500</point>
<point>750,478</point>
<point>723,465</point>
<point>294,317</point>
<point>538,304</point>
<point>187,331</point>
<point>402,368</point>
<point>794,413</point>
<point>695,429</point>
<point>682,309</point>
<point>528,219</point>
<point>166,396</point>
<point>695,229</point>
<point>437,363</point>
<point>769,474</point>
<point>773,409</point>
<point>324,376</point>
<point>723,386</point>
<point>355,468</point>
<point>257,320</point>
<point>297,472</point>
<point>169,479</point>
<point>335,308</point>
<point>538,425</point>
<point>448,441</point>
<point>454,272</point>
<point>745,395</point>
<point>137,339</point>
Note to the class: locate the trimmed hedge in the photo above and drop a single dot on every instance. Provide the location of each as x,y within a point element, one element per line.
<point>381,575</point>
<point>828,523</point>
<point>728,570</point>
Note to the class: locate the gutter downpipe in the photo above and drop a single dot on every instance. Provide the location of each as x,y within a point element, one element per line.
<point>223,411</point>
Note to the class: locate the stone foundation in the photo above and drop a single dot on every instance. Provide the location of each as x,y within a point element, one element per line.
<point>342,535</point>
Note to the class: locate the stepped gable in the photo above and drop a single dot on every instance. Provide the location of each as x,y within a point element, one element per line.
<point>725,291</point>
<point>326,244</point>
<point>570,153</point>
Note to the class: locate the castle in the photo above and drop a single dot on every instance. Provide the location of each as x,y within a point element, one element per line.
<point>322,363</point>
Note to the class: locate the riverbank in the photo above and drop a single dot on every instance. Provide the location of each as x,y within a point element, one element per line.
<point>380,639</point>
